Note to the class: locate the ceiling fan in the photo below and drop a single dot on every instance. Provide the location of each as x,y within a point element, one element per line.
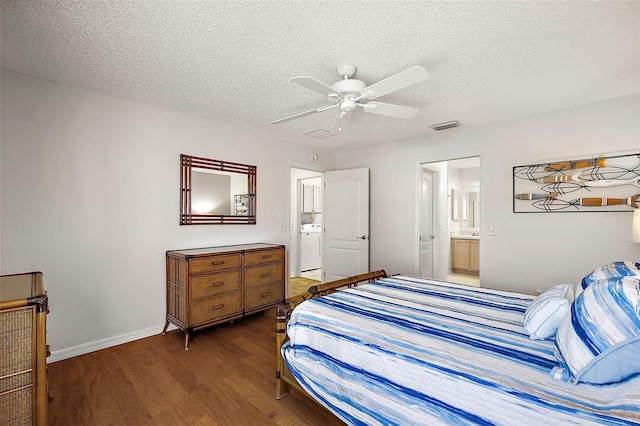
<point>349,93</point>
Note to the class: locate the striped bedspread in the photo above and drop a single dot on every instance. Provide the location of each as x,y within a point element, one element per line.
<point>407,351</point>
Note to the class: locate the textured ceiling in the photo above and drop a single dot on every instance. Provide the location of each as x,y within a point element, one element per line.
<point>231,61</point>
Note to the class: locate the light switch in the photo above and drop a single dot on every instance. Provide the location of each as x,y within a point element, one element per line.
<point>493,230</point>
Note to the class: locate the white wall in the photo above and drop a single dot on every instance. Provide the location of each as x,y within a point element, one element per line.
<point>530,251</point>
<point>90,197</point>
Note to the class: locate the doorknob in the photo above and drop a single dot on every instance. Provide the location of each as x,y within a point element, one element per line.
<point>364,237</point>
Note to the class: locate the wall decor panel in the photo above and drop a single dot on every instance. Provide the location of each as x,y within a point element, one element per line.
<point>602,183</point>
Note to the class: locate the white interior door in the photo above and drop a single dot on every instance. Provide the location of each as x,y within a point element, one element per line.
<point>426,224</point>
<point>346,223</point>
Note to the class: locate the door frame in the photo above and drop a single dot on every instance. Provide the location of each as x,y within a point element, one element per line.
<point>442,255</point>
<point>295,202</point>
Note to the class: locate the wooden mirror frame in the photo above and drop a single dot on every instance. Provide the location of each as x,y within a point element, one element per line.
<point>187,162</point>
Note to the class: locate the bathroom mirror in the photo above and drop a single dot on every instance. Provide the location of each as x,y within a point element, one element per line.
<point>455,204</point>
<point>472,204</point>
<point>214,192</point>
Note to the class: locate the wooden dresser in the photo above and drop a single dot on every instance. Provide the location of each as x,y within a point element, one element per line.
<point>209,286</point>
<point>23,350</point>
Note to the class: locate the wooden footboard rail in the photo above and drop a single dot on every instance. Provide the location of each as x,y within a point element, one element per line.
<point>284,378</point>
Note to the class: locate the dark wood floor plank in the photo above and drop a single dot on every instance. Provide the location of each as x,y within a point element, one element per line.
<point>227,377</point>
<point>74,407</point>
<point>210,373</point>
<point>127,399</point>
<point>259,397</point>
<point>160,392</point>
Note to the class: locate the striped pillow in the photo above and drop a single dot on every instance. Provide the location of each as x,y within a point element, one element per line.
<point>612,270</point>
<point>543,315</point>
<point>599,342</point>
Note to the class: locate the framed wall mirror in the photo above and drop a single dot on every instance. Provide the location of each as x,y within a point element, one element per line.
<point>214,192</point>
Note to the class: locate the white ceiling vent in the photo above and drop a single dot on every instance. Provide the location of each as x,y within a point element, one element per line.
<point>320,134</point>
<point>446,125</point>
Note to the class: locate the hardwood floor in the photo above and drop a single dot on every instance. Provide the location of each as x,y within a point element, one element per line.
<point>227,377</point>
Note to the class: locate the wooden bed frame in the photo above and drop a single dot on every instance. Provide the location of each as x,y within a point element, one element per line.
<point>284,378</point>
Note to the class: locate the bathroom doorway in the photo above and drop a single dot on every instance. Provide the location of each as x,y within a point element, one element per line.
<point>450,222</point>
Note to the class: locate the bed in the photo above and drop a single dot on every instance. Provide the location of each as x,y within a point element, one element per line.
<point>405,350</point>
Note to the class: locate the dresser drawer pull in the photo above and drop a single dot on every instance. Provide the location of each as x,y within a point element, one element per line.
<point>268,274</point>
<point>220,262</point>
<point>266,256</point>
<point>213,308</point>
<point>268,293</point>
<point>218,284</point>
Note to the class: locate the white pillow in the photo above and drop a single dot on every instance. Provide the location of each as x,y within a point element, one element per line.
<point>599,341</point>
<point>543,316</point>
<point>612,270</point>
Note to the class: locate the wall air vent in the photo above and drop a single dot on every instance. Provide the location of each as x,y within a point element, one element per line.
<point>446,125</point>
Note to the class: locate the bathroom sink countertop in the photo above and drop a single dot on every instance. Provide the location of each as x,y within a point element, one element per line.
<point>466,237</point>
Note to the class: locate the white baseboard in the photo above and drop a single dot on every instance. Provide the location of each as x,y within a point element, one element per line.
<point>97,345</point>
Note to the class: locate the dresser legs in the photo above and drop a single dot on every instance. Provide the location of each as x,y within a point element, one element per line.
<point>186,335</point>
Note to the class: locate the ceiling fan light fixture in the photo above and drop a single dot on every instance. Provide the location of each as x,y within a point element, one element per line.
<point>446,125</point>
<point>347,106</point>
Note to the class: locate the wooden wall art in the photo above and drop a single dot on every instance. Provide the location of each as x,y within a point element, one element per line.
<point>607,183</point>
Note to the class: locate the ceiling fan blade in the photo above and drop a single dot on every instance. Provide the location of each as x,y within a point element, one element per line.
<point>398,81</point>
<point>315,85</point>
<point>302,114</point>
<point>391,110</point>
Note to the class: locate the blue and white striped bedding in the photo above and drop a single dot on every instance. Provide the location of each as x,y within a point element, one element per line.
<point>407,350</point>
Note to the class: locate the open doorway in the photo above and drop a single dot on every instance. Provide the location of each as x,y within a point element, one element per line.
<point>450,234</point>
<point>311,228</point>
<point>337,212</point>
<point>305,250</point>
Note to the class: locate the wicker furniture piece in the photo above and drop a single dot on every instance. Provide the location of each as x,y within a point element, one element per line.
<point>209,286</point>
<point>284,377</point>
<point>23,350</point>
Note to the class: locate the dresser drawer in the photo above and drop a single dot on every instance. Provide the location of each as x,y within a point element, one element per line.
<point>264,295</point>
<point>215,307</point>
<point>213,284</point>
<point>263,256</point>
<point>214,263</point>
<point>260,275</point>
